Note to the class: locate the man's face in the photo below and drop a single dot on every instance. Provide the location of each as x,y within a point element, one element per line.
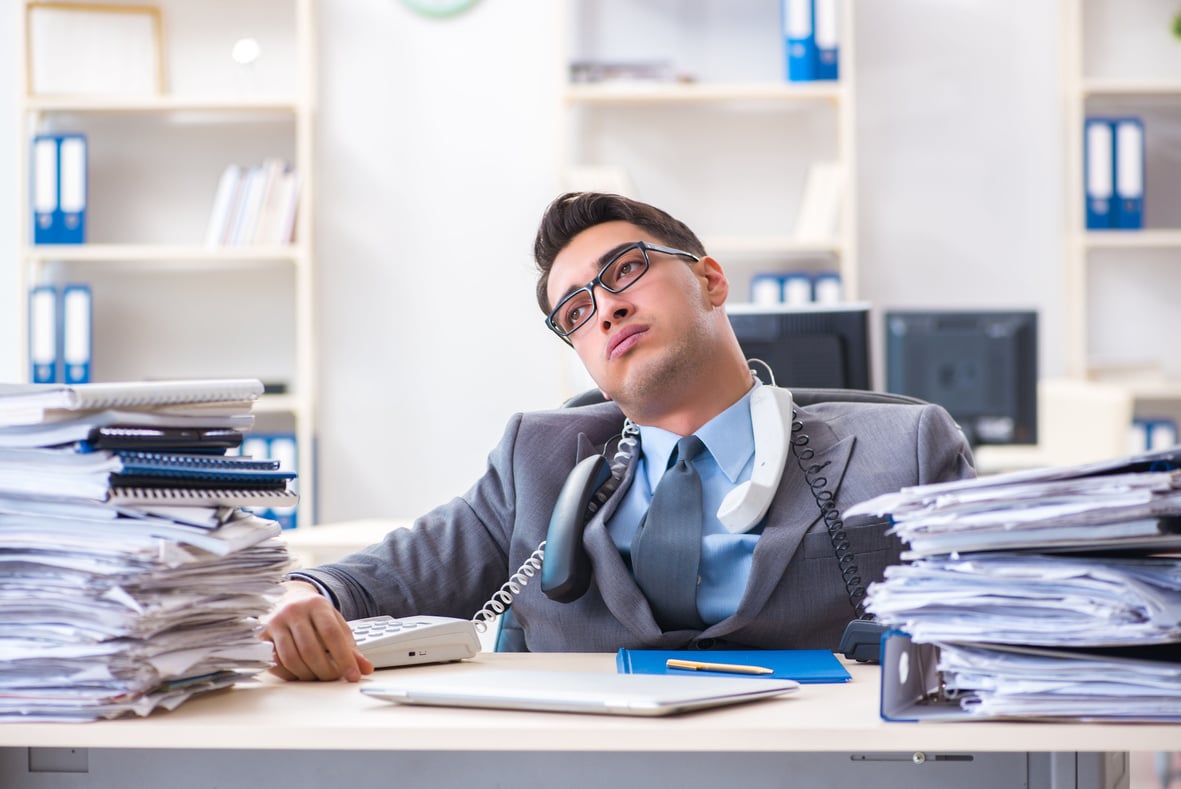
<point>651,336</point>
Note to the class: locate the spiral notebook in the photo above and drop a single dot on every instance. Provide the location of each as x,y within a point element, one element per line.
<point>22,404</point>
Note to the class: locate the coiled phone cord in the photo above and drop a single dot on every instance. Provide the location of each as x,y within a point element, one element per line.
<point>833,522</point>
<point>503,598</point>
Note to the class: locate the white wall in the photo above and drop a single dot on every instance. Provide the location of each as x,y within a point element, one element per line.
<point>436,153</point>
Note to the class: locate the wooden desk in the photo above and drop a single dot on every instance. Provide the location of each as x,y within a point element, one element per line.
<point>292,722</point>
<point>270,714</point>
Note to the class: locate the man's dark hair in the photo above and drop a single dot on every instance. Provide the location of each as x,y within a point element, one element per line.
<point>573,212</point>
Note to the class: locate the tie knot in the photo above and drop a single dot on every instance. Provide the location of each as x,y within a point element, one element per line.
<point>687,448</point>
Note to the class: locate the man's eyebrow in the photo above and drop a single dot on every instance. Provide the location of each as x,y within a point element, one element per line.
<point>603,260</point>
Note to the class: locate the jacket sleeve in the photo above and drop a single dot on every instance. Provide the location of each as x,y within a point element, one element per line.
<point>446,564</point>
<point>943,451</point>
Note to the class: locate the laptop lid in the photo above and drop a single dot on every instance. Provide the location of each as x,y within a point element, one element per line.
<point>564,691</point>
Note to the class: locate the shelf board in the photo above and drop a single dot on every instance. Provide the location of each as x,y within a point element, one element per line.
<point>158,104</point>
<point>1125,87</point>
<point>147,253</point>
<point>700,92</point>
<point>1131,239</point>
<point>1156,390</point>
<point>770,245</point>
<point>278,404</point>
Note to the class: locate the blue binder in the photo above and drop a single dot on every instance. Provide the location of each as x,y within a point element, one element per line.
<point>43,335</point>
<point>58,188</point>
<point>827,28</point>
<point>797,288</point>
<point>766,288</point>
<point>800,40</point>
<point>1099,172</point>
<point>828,288</point>
<point>77,329</point>
<point>280,447</point>
<point>1129,173</point>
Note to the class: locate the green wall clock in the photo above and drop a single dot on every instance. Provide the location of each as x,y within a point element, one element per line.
<point>439,7</point>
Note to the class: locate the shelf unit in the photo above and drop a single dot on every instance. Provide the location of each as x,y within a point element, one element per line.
<point>166,305</point>
<point>1122,285</point>
<point>728,151</point>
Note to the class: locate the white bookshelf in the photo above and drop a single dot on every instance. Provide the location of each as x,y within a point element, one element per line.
<point>166,305</point>
<point>1120,58</point>
<point>728,151</point>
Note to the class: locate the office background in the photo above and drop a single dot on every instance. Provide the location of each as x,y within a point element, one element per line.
<point>437,143</point>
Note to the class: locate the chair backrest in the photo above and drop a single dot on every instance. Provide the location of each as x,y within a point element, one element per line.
<point>802,396</point>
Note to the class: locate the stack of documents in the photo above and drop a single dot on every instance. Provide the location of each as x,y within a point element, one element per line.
<point>1047,593</point>
<point>130,576</point>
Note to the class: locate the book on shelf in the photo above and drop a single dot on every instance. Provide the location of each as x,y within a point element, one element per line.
<point>254,205</point>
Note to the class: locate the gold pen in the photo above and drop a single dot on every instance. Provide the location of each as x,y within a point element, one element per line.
<point>728,668</point>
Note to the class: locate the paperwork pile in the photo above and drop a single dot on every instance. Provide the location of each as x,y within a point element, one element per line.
<point>130,577</point>
<point>1046,593</point>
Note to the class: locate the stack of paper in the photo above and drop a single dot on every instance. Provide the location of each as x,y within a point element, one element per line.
<point>130,577</point>
<point>1046,593</point>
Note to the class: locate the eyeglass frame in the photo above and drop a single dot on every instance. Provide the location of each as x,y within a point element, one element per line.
<point>589,288</point>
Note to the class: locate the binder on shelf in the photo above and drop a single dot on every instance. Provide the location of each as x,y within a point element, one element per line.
<point>1129,173</point>
<point>797,288</point>
<point>43,332</point>
<point>800,40</point>
<point>59,188</point>
<point>1151,435</point>
<point>72,189</point>
<point>766,288</point>
<point>827,30</point>
<point>280,447</point>
<point>77,328</point>
<point>44,189</point>
<point>827,288</point>
<point>1099,172</point>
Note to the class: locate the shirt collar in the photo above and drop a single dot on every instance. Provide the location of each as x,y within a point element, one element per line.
<point>729,437</point>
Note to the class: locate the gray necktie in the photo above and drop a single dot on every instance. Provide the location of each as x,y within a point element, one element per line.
<point>666,551</point>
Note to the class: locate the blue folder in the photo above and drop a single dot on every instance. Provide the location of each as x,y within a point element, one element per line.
<point>806,666</point>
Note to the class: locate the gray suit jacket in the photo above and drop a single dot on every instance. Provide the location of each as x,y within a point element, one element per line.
<point>457,555</point>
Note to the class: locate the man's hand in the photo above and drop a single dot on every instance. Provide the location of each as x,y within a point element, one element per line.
<point>311,638</point>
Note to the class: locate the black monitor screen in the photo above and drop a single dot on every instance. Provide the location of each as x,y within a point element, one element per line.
<point>980,366</point>
<point>825,347</point>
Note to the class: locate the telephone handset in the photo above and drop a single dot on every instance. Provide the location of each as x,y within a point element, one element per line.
<point>770,412</point>
<point>566,571</point>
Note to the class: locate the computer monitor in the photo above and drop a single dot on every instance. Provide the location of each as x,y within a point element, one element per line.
<point>980,366</point>
<point>823,346</point>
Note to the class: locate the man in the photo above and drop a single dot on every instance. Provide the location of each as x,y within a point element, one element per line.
<point>632,290</point>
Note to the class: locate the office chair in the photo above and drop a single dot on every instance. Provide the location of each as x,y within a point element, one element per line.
<point>510,637</point>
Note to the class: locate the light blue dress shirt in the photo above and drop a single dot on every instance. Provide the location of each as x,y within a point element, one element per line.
<point>728,461</point>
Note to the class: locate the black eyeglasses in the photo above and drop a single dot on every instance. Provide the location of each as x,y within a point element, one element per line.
<point>622,271</point>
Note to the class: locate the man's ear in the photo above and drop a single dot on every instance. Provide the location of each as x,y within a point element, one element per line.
<point>717,286</point>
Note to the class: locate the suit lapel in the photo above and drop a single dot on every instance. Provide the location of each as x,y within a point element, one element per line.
<point>613,579</point>
<point>793,512</point>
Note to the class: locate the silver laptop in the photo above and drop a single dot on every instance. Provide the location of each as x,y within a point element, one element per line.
<point>566,691</point>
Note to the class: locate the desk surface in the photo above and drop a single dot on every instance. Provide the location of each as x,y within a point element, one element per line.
<point>270,714</point>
